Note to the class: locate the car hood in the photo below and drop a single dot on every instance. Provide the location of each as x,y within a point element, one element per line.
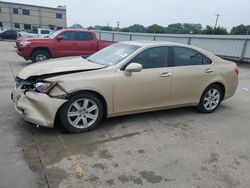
<point>34,39</point>
<point>58,67</point>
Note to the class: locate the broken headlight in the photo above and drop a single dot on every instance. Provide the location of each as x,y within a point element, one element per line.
<point>44,86</point>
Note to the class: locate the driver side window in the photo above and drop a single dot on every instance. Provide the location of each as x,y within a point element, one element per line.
<point>156,57</point>
<point>69,35</point>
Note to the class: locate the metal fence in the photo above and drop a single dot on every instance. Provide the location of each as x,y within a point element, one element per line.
<point>236,47</point>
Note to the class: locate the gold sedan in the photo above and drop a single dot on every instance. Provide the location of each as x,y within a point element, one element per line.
<point>124,78</point>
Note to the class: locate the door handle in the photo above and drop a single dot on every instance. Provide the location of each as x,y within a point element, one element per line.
<point>166,74</point>
<point>208,70</point>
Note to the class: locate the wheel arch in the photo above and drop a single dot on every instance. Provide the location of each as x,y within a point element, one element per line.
<point>103,100</point>
<point>221,85</point>
<point>46,49</point>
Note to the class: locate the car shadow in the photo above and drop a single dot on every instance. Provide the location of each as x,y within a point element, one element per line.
<point>108,124</point>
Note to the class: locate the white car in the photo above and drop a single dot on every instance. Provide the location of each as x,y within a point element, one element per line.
<point>40,34</point>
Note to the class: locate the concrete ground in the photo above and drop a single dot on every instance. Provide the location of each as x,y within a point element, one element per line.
<point>172,148</point>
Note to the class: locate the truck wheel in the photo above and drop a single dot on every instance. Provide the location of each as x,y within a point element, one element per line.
<point>81,113</point>
<point>39,55</point>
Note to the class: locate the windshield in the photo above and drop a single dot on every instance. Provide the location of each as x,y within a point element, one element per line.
<point>113,54</point>
<point>1,31</point>
<point>53,35</point>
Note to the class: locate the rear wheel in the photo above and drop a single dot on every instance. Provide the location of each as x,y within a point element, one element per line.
<point>210,99</point>
<point>81,113</point>
<point>39,55</point>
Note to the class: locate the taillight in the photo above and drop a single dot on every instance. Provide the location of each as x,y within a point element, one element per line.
<point>237,70</point>
<point>19,35</point>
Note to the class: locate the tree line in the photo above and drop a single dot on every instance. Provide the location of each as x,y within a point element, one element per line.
<point>177,28</point>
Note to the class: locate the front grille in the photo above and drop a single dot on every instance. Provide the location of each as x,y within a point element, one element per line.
<point>18,82</point>
<point>23,84</point>
<point>18,47</point>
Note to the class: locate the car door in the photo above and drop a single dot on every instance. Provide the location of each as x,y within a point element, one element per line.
<point>192,71</point>
<point>12,34</point>
<point>67,45</point>
<point>6,34</point>
<point>86,43</point>
<point>147,89</point>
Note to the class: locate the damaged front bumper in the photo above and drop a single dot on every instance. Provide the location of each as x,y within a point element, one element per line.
<point>37,108</point>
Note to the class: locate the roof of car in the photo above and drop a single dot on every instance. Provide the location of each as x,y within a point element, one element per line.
<point>145,43</point>
<point>73,29</point>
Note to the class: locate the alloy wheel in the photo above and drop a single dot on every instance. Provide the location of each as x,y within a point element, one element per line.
<point>41,57</point>
<point>211,99</point>
<point>82,113</point>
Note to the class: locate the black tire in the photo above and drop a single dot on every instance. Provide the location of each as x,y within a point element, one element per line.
<point>37,53</point>
<point>203,101</point>
<point>63,112</point>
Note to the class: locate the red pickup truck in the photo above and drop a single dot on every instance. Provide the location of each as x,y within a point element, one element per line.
<point>62,43</point>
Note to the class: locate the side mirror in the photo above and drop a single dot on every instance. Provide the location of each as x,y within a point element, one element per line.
<point>134,67</point>
<point>58,38</point>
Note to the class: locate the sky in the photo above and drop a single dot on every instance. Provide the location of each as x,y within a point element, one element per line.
<point>148,12</point>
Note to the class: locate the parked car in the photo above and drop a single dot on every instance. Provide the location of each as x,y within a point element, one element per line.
<point>8,34</point>
<point>41,33</point>
<point>62,43</point>
<point>124,78</point>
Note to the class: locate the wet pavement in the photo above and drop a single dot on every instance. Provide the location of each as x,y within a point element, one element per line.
<point>171,148</point>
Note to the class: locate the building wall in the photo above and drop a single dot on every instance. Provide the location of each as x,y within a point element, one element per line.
<point>43,17</point>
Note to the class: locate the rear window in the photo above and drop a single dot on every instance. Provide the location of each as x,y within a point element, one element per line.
<point>206,60</point>
<point>186,56</point>
<point>85,36</point>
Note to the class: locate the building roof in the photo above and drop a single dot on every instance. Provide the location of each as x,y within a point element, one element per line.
<point>21,4</point>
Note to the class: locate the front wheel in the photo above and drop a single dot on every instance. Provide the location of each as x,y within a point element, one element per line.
<point>81,113</point>
<point>39,55</point>
<point>210,99</point>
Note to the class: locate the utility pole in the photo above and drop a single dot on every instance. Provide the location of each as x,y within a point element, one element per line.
<point>216,22</point>
<point>118,25</point>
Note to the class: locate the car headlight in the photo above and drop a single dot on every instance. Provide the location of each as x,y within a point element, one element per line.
<point>24,43</point>
<point>44,87</point>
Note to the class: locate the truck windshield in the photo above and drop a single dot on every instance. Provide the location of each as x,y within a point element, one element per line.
<point>113,54</point>
<point>53,35</point>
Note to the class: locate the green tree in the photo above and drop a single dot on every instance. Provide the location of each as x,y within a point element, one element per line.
<point>240,30</point>
<point>90,28</point>
<point>191,28</point>
<point>217,31</point>
<point>98,27</point>
<point>208,30</point>
<point>106,28</point>
<point>136,28</point>
<point>185,28</point>
<point>125,29</point>
<point>220,31</point>
<point>174,28</point>
<point>155,29</point>
<point>77,26</point>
